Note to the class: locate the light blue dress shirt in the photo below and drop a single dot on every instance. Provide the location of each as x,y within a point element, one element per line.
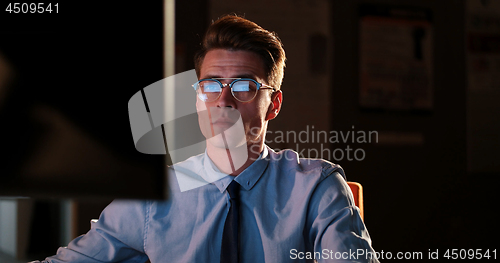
<point>292,210</point>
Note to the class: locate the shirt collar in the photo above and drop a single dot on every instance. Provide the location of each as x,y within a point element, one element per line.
<point>247,179</point>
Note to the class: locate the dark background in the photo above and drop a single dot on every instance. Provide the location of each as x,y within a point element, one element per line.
<point>426,196</point>
<point>83,63</point>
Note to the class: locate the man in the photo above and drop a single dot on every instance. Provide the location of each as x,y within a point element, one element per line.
<point>260,206</point>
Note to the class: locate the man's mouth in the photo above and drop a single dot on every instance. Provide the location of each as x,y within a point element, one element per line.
<point>224,121</point>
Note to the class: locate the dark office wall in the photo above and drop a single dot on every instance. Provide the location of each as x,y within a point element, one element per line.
<point>418,196</point>
<point>191,21</point>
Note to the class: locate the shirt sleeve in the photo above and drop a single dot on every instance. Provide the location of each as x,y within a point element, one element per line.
<point>118,236</point>
<point>337,231</point>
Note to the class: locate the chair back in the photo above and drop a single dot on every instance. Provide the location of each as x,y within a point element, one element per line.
<point>357,192</point>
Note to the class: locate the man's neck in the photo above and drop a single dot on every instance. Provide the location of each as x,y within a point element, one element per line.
<point>235,160</point>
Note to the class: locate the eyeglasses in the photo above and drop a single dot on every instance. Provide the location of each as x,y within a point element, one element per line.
<point>244,90</point>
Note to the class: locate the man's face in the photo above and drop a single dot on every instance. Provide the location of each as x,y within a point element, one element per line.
<point>223,114</point>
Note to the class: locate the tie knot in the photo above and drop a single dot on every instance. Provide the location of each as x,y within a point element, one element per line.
<point>233,189</point>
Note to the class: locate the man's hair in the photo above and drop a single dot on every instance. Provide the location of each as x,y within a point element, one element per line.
<point>236,33</point>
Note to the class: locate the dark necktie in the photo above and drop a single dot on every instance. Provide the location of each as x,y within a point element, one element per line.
<point>229,250</point>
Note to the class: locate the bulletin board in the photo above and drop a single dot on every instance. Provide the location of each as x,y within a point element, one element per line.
<point>395,58</point>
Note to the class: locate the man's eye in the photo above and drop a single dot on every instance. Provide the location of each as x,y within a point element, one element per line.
<point>211,87</point>
<point>241,86</point>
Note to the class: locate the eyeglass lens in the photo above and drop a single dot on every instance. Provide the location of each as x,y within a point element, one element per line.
<point>242,90</point>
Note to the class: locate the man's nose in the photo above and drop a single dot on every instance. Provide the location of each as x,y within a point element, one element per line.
<point>226,99</point>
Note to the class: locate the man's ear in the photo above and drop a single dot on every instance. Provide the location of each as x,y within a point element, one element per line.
<point>275,107</point>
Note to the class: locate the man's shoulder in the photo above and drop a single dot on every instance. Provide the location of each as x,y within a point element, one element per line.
<point>288,160</point>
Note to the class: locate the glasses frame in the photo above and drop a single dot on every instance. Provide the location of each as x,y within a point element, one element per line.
<point>230,85</point>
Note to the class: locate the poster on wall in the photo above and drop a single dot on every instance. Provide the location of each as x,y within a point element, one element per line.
<point>395,58</point>
<point>483,46</point>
